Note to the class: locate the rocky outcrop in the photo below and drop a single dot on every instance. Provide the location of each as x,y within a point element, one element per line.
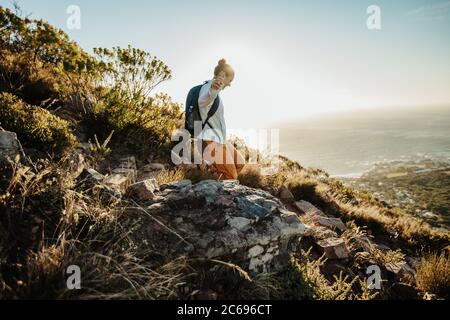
<point>224,220</point>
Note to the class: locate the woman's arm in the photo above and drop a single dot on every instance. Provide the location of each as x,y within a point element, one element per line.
<point>206,99</point>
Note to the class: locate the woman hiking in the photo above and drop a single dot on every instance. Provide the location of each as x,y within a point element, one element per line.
<point>227,161</point>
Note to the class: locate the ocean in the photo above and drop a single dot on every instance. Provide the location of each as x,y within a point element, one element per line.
<point>348,144</point>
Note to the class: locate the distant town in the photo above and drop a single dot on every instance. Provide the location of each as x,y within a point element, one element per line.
<point>420,186</point>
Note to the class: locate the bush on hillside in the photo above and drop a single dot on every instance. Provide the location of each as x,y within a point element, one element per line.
<point>143,123</point>
<point>433,274</point>
<point>38,62</point>
<point>35,127</point>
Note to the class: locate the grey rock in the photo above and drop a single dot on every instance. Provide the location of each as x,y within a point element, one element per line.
<point>239,223</point>
<point>128,172</point>
<point>76,164</point>
<point>118,181</point>
<point>153,167</point>
<point>332,223</point>
<point>176,185</point>
<point>9,145</point>
<point>105,194</point>
<point>251,209</point>
<point>285,194</point>
<point>320,233</point>
<point>89,178</point>
<point>225,220</point>
<point>307,207</point>
<point>334,248</point>
<point>208,189</point>
<point>143,190</point>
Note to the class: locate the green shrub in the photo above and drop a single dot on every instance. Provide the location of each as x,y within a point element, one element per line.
<point>35,127</point>
<point>143,123</point>
<point>303,280</point>
<point>38,62</point>
<point>143,129</point>
<point>42,40</point>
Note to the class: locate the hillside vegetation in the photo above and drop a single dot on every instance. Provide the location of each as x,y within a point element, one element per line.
<point>73,112</point>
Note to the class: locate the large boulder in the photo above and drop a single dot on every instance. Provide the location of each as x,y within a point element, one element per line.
<point>223,220</point>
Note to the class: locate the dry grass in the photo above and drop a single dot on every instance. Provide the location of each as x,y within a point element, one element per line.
<point>49,227</point>
<point>395,222</point>
<point>251,176</point>
<point>433,274</point>
<point>171,176</point>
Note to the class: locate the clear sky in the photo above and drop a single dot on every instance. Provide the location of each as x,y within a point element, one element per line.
<point>293,59</point>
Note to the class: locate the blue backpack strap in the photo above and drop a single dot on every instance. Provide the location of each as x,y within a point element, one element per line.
<point>193,97</point>
<point>212,111</point>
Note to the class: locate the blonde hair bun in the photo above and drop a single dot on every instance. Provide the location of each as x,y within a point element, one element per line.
<point>223,66</point>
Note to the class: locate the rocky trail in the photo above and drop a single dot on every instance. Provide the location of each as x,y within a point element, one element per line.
<point>230,222</point>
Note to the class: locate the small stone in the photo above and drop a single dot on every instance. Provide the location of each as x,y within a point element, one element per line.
<point>229,184</point>
<point>307,207</point>
<point>255,251</point>
<point>430,296</point>
<point>285,194</point>
<point>88,178</point>
<point>334,248</point>
<point>239,223</point>
<point>178,220</point>
<point>382,247</point>
<point>153,167</point>
<point>289,217</point>
<point>333,223</point>
<point>128,162</point>
<point>320,233</point>
<point>394,267</point>
<point>9,144</point>
<point>76,164</point>
<point>118,181</point>
<point>266,258</point>
<point>143,190</point>
<point>130,173</point>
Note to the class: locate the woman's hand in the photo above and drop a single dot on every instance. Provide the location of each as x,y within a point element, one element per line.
<point>219,81</point>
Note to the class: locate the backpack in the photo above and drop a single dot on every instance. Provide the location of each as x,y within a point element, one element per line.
<point>192,111</point>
